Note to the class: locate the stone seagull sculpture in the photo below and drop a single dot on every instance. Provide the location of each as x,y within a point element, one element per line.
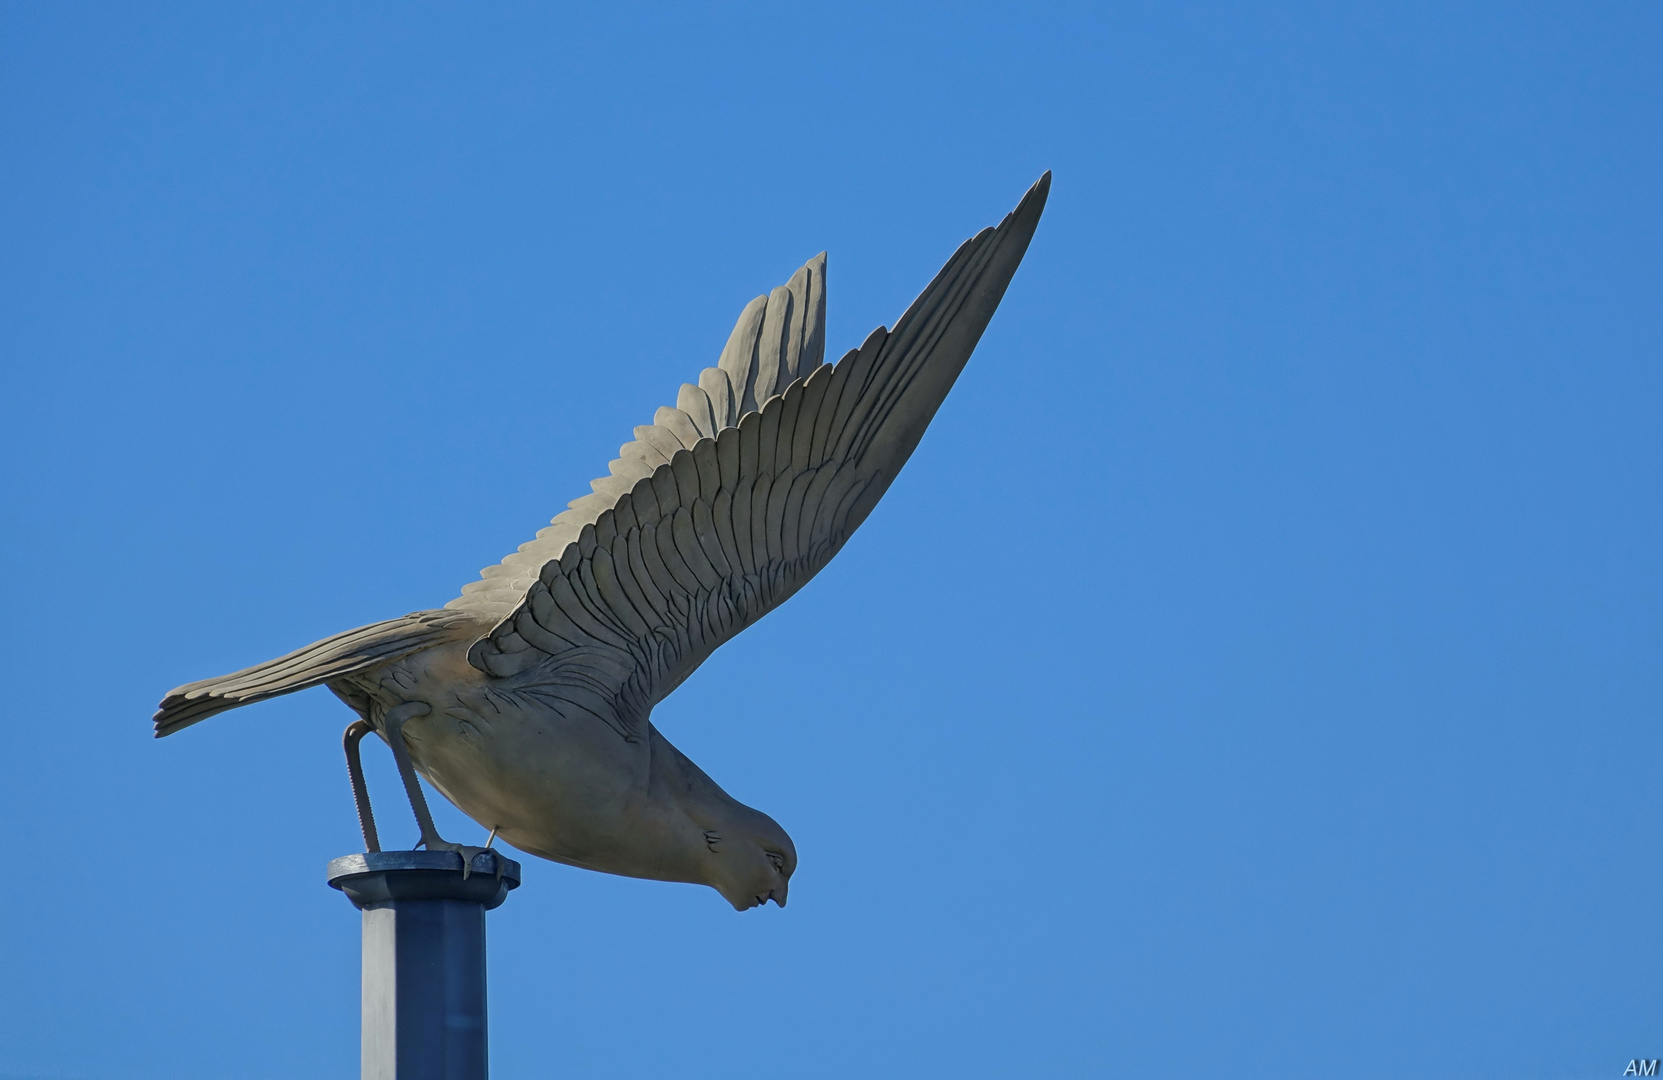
<point>527,700</point>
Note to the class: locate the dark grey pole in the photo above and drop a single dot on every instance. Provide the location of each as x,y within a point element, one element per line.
<point>424,958</point>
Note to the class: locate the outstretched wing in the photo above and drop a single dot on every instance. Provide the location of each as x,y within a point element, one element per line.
<point>735,517</point>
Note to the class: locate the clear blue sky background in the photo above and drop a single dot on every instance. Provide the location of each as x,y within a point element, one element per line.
<point>1255,673</point>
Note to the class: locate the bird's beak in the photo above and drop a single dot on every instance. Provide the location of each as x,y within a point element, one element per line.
<point>777,895</point>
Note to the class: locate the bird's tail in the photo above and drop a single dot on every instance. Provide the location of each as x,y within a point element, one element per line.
<point>317,663</point>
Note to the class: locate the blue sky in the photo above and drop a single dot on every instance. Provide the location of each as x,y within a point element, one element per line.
<point>1254,673</point>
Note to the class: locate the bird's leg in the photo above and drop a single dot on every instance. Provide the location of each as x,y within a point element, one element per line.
<point>394,723</point>
<point>355,733</point>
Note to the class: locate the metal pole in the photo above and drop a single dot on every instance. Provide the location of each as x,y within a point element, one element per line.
<point>424,958</point>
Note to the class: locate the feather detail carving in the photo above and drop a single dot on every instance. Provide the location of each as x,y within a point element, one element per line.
<point>733,498</point>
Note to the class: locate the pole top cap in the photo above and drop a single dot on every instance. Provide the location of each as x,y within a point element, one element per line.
<point>379,877</point>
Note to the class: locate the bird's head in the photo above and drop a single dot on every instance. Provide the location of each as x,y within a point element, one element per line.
<point>750,860</point>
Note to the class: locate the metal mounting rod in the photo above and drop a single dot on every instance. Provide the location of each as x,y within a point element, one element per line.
<point>354,735</point>
<point>424,958</point>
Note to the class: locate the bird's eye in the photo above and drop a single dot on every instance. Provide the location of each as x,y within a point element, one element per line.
<point>778,860</point>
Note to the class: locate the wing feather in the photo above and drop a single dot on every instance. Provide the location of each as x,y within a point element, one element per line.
<point>613,595</point>
<point>646,583</point>
<point>644,454</point>
<point>738,359</point>
<point>721,520</point>
<point>814,392</point>
<point>710,542</point>
<point>709,471</point>
<point>679,425</point>
<point>835,381</point>
<point>624,571</point>
<point>644,501</point>
<point>586,588</point>
<point>692,552</point>
<point>662,440</point>
<point>666,490</point>
<point>776,331</point>
<point>714,382</point>
<point>767,436</point>
<point>860,369</point>
<point>777,492</point>
<point>693,401</point>
<point>787,432</point>
<point>664,581</point>
<point>792,512</point>
<point>727,463</point>
<point>686,582</point>
<point>760,491</point>
<point>740,510</point>
<point>750,442</point>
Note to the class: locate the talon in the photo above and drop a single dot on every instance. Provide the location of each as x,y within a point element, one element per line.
<point>467,852</point>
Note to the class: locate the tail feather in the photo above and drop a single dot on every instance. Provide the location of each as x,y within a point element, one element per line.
<point>317,663</point>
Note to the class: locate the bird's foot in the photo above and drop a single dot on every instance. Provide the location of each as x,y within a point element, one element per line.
<point>466,851</point>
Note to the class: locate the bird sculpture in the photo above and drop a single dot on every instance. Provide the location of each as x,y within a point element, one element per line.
<point>527,700</point>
